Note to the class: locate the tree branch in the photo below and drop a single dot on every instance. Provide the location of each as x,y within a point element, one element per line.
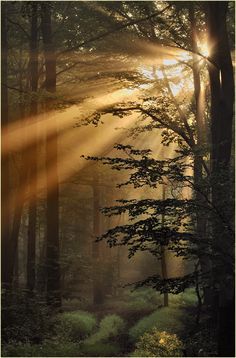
<point>18,25</point>
<point>110,32</point>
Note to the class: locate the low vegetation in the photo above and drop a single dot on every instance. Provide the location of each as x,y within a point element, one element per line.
<point>158,344</point>
<point>82,333</point>
<point>164,319</point>
<point>74,326</point>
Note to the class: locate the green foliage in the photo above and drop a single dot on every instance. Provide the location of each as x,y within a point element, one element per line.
<point>174,285</point>
<point>158,344</point>
<point>140,299</point>
<point>144,297</point>
<point>25,317</point>
<point>110,326</point>
<point>186,298</point>
<point>74,326</point>
<point>49,348</point>
<point>166,318</point>
<point>100,349</point>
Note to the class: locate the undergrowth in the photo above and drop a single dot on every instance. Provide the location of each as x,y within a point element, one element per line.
<point>74,326</point>
<point>158,344</point>
<point>110,326</point>
<point>164,319</point>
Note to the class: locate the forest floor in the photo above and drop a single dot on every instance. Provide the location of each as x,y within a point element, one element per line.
<point>112,329</point>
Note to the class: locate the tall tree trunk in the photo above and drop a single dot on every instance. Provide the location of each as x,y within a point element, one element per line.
<point>5,186</point>
<point>96,249</point>
<point>52,216</point>
<point>164,253</point>
<point>222,100</point>
<point>22,116</point>
<point>200,190</point>
<point>33,65</point>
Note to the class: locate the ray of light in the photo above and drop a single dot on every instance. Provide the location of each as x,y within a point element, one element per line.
<point>36,127</point>
<point>86,140</point>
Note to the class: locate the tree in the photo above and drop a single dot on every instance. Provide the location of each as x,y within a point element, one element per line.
<point>164,254</point>
<point>5,220</point>
<point>53,267</point>
<point>98,291</point>
<point>33,65</point>
<point>222,99</point>
<point>222,90</point>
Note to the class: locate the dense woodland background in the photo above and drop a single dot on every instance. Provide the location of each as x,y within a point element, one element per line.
<point>117,219</point>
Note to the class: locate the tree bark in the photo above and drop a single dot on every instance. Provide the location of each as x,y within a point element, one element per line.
<point>5,186</point>
<point>200,190</point>
<point>222,100</point>
<point>52,216</point>
<point>164,253</point>
<point>98,295</point>
<point>33,66</point>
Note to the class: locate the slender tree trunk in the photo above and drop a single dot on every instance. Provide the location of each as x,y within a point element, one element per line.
<point>222,100</point>
<point>163,253</point>
<point>52,216</point>
<point>19,203</point>
<point>200,190</point>
<point>96,249</point>
<point>33,64</point>
<point>5,186</point>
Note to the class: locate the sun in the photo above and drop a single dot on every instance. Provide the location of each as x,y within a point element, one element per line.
<point>204,49</point>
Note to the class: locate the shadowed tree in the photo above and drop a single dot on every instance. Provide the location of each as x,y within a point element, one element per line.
<point>222,101</point>
<point>33,68</point>
<point>5,220</point>
<point>52,214</point>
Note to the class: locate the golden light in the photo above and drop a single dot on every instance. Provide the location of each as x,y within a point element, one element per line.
<point>169,61</point>
<point>204,49</point>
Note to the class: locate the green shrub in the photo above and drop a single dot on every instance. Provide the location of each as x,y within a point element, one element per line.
<point>109,327</point>
<point>48,348</point>
<point>74,326</point>
<point>143,298</point>
<point>158,344</point>
<point>100,349</point>
<point>186,298</point>
<point>164,319</point>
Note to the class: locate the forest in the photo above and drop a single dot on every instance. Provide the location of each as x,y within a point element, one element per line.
<point>117,179</point>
